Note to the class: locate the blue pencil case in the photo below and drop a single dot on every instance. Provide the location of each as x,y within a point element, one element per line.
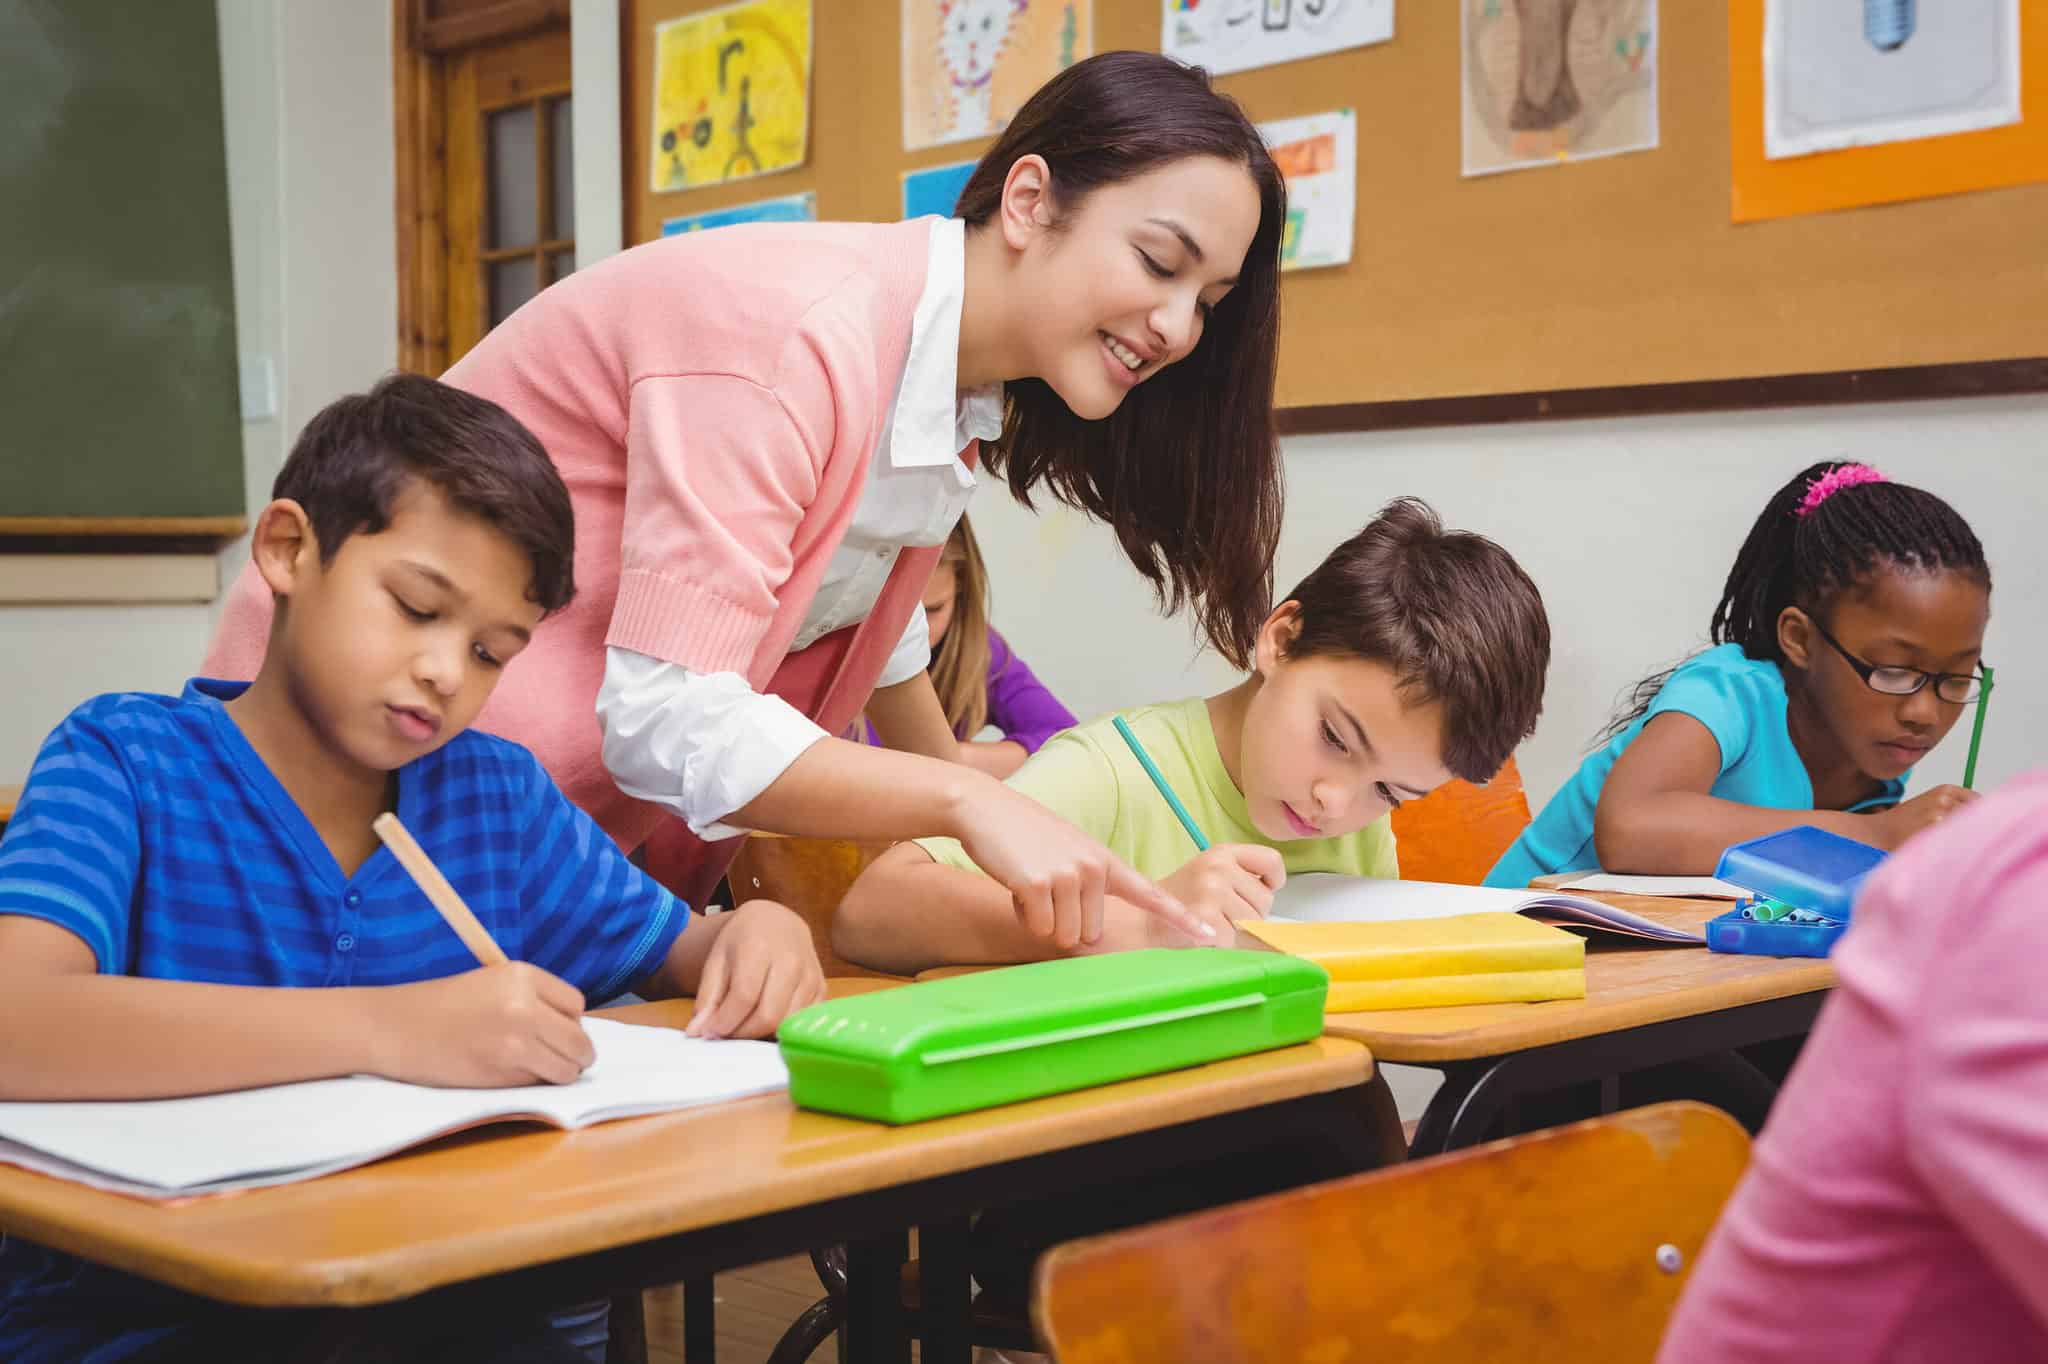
<point>1811,872</point>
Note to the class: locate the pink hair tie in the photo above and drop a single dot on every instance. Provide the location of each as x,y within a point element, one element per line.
<point>1833,481</point>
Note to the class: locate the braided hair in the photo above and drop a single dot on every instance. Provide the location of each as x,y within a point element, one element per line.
<point>1811,544</point>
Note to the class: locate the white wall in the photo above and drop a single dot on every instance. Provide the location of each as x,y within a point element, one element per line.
<point>1628,527</point>
<point>307,93</point>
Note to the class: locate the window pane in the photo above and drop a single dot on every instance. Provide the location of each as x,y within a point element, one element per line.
<point>561,265</point>
<point>515,199</point>
<point>562,147</point>
<point>512,283</point>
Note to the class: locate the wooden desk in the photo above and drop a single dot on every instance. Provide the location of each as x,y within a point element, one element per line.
<point>9,796</point>
<point>538,1215</point>
<point>1644,1006</point>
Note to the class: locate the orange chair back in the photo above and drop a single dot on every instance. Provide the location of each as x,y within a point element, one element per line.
<point>811,876</point>
<point>1571,1243</point>
<point>1458,831</point>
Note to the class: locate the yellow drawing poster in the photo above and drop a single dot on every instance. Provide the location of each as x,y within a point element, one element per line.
<point>732,93</point>
<point>969,65</point>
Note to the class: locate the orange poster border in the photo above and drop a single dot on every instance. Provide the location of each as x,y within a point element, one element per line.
<point>1893,172</point>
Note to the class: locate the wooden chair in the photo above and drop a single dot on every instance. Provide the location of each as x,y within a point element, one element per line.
<point>1458,831</point>
<point>1566,1244</point>
<point>811,876</point>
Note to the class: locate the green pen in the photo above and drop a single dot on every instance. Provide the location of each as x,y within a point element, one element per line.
<point>1977,731</point>
<point>1159,780</point>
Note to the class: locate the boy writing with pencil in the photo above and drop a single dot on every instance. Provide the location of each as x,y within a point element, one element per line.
<point>181,869</point>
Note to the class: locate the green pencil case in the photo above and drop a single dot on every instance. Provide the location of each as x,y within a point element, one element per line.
<point>1022,1032</point>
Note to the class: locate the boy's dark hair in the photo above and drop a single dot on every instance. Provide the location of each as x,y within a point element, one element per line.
<point>1451,613</point>
<point>1186,471</point>
<point>355,458</point>
<point>1809,560</point>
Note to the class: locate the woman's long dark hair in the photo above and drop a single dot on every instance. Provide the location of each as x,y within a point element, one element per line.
<point>1186,471</point>
<point>1807,556</point>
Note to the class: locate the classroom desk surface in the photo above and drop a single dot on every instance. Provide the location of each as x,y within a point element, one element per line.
<point>1628,984</point>
<point>1646,1006</point>
<point>497,1202</point>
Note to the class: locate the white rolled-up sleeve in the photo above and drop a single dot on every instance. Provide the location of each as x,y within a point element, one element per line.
<point>700,744</point>
<point>912,654</point>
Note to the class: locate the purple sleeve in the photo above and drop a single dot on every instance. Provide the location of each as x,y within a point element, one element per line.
<point>1018,703</point>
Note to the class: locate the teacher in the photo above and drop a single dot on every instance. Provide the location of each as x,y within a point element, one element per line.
<point>768,432</point>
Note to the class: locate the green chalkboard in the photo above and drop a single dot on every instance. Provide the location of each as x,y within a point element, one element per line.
<point>118,394</point>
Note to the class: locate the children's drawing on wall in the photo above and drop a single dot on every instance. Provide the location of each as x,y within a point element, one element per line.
<point>790,208</point>
<point>732,94</point>
<point>1549,81</point>
<point>936,189</point>
<point>1237,35</point>
<point>1318,157</point>
<point>969,65</point>
<point>1840,74</point>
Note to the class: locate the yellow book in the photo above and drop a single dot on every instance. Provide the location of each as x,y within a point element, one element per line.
<point>1429,992</point>
<point>1418,963</point>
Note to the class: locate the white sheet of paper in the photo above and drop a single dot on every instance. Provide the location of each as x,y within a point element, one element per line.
<point>1706,887</point>
<point>248,1138</point>
<point>1834,79</point>
<point>1237,35</point>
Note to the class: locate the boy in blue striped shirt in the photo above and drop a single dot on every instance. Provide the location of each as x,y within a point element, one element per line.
<point>181,869</point>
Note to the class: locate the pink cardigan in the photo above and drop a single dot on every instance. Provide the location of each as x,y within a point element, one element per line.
<point>712,401</point>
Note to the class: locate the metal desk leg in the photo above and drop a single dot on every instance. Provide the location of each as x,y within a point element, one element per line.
<point>946,1318</point>
<point>700,1321</point>
<point>874,1300</point>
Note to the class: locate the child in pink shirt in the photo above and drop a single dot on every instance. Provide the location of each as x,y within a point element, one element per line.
<point>1896,1207</point>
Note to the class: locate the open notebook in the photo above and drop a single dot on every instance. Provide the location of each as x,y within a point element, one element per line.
<point>214,1143</point>
<point>1318,897</point>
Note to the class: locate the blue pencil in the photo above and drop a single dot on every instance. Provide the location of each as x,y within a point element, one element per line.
<point>1159,780</point>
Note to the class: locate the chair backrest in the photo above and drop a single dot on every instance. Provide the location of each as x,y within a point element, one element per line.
<point>1567,1244</point>
<point>811,876</point>
<point>1458,831</point>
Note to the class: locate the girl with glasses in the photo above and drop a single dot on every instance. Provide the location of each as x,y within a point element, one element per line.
<point>1847,643</point>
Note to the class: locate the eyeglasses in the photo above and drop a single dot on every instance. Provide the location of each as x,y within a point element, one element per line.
<point>1958,689</point>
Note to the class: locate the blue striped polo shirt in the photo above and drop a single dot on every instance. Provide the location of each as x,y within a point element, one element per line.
<point>153,831</point>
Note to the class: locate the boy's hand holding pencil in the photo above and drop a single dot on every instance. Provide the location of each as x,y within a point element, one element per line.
<point>1229,882</point>
<point>507,1024</point>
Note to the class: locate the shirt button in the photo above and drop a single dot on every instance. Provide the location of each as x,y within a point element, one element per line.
<point>352,899</point>
<point>346,942</point>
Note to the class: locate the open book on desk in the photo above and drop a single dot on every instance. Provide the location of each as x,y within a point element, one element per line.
<point>279,1134</point>
<point>1316,897</point>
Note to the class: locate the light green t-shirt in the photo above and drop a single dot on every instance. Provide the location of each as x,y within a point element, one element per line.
<point>1089,776</point>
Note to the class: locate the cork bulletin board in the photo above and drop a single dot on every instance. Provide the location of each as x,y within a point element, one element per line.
<point>1616,284</point>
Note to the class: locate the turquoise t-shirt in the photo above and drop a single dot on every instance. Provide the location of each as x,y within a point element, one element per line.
<point>1741,701</point>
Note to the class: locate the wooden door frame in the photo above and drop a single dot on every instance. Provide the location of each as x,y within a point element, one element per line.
<point>421,46</point>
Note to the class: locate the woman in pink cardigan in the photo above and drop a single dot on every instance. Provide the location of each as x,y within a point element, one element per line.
<point>768,432</point>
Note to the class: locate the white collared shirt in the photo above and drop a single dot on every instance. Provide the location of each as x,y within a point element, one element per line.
<point>705,744</point>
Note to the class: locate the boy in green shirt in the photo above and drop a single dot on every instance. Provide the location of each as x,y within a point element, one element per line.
<point>1409,656</point>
